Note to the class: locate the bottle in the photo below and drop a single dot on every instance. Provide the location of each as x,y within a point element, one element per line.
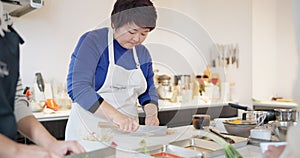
<point>207,73</point>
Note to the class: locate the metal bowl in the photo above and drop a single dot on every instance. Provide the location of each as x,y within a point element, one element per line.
<point>280,128</point>
<point>242,130</point>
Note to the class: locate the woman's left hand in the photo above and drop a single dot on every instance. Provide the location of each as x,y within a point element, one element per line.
<point>151,115</point>
<point>151,120</point>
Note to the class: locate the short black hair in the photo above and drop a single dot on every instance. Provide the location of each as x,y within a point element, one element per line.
<point>140,12</point>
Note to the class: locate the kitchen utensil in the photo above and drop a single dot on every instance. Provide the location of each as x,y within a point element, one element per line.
<point>108,152</point>
<point>170,151</point>
<point>269,114</point>
<point>286,115</point>
<point>200,121</point>
<point>208,147</point>
<point>260,133</point>
<point>40,82</point>
<point>143,129</point>
<point>280,128</point>
<point>227,139</point>
<point>239,107</point>
<point>239,129</point>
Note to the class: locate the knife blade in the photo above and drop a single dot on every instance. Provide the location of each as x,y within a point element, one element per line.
<point>142,130</point>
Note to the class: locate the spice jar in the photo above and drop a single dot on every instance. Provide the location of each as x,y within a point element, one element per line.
<point>201,120</point>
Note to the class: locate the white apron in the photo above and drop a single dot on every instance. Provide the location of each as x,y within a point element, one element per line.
<point>121,89</point>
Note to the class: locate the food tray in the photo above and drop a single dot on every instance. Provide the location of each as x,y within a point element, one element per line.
<point>208,147</point>
<point>171,151</point>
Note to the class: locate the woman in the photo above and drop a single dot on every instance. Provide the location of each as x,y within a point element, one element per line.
<point>110,70</point>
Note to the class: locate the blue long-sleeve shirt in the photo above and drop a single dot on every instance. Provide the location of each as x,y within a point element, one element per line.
<point>89,65</point>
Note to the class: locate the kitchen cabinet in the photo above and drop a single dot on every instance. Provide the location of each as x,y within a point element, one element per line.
<point>181,116</point>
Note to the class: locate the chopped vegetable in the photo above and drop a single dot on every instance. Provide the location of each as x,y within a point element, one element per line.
<point>86,156</point>
<point>235,122</point>
<point>113,144</point>
<point>144,145</point>
<point>230,151</point>
<point>165,155</point>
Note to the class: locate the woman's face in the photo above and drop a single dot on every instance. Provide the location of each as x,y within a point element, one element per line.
<point>130,35</point>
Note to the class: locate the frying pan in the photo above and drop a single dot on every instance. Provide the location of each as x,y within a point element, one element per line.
<point>270,114</point>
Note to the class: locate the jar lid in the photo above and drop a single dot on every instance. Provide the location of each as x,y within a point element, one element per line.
<point>164,77</point>
<point>200,115</point>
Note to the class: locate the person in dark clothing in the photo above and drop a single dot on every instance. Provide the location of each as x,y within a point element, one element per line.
<point>15,113</point>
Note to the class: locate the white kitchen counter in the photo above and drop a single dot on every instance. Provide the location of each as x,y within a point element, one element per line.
<point>127,143</point>
<point>276,104</point>
<point>64,114</point>
<point>167,106</point>
<point>57,115</point>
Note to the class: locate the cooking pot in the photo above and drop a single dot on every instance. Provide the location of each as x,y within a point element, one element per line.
<point>280,128</point>
<point>269,114</point>
<point>286,115</point>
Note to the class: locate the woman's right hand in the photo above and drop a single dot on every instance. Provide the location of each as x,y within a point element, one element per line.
<point>125,123</point>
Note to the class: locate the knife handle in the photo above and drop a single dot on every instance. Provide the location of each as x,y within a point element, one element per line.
<point>107,125</point>
<point>238,106</point>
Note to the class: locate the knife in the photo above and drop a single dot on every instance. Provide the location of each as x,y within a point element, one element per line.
<point>142,130</point>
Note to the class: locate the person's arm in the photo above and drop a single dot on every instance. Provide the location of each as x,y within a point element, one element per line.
<point>149,99</point>
<point>35,131</point>
<point>82,69</point>
<point>124,122</point>
<point>9,148</point>
<point>151,114</point>
<point>29,126</point>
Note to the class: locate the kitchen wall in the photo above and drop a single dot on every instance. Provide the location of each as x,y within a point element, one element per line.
<point>275,58</point>
<point>296,13</point>
<point>52,32</point>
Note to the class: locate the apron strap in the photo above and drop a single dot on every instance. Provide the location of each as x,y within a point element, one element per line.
<point>110,42</point>
<point>136,59</point>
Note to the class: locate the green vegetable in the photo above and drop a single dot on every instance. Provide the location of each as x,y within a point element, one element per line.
<point>230,151</point>
<point>144,145</point>
<point>86,156</point>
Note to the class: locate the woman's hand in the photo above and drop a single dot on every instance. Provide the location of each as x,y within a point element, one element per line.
<point>125,123</point>
<point>151,120</point>
<point>274,151</point>
<point>151,115</point>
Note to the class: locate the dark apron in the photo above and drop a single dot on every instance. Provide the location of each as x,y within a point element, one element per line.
<point>9,74</point>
